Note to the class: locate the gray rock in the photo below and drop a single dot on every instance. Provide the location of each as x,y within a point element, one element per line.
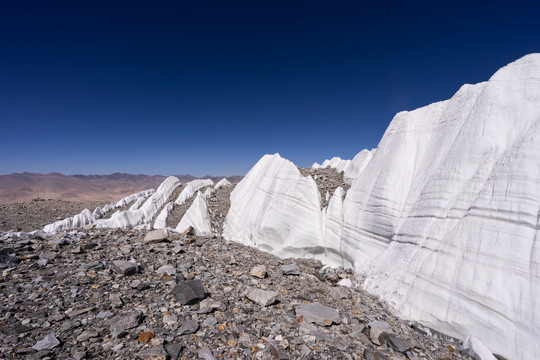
<point>208,305</point>
<point>156,236</point>
<point>317,313</point>
<point>105,314</point>
<point>189,292</point>
<point>8,256</point>
<point>290,269</point>
<point>174,350</point>
<point>123,267</point>
<point>167,270</point>
<point>209,321</point>
<point>48,255</point>
<point>170,320</point>
<point>153,353</point>
<point>121,323</point>
<point>374,355</point>
<point>278,353</point>
<point>258,271</point>
<point>87,334</point>
<point>262,297</point>
<point>398,344</point>
<point>206,354</point>
<point>377,329</point>
<point>189,327</point>
<point>116,300</point>
<point>339,293</point>
<point>48,342</point>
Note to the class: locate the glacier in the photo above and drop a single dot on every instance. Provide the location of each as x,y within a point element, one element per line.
<point>441,219</point>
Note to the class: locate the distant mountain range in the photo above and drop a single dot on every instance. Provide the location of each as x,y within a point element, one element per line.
<point>26,186</point>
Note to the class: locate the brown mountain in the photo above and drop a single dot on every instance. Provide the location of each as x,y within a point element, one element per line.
<point>19,187</point>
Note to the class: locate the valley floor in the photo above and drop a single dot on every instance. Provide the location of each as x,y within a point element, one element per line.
<point>35,214</point>
<point>101,293</point>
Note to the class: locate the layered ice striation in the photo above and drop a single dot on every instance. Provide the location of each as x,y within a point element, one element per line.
<point>442,218</point>
<point>350,168</point>
<point>277,209</point>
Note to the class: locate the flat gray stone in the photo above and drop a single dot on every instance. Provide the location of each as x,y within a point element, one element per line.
<point>123,267</point>
<point>317,313</point>
<point>189,327</point>
<point>87,334</point>
<point>398,344</point>
<point>262,297</point>
<point>258,271</point>
<point>170,319</point>
<point>48,342</point>
<point>290,269</point>
<point>156,236</point>
<point>174,350</point>
<point>206,354</point>
<point>378,328</point>
<point>339,292</point>
<point>189,292</point>
<point>167,270</point>
<point>208,305</point>
<point>119,325</point>
<point>116,300</point>
<point>154,353</point>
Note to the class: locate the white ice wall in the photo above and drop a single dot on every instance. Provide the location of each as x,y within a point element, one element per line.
<point>442,218</point>
<point>278,210</point>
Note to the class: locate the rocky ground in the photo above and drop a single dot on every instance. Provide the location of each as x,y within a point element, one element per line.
<point>178,211</point>
<point>112,294</point>
<point>219,203</point>
<point>327,180</point>
<point>35,214</point>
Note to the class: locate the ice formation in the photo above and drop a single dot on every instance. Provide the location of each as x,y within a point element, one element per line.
<point>86,217</point>
<point>191,188</point>
<point>350,168</point>
<point>196,216</point>
<point>83,218</point>
<point>277,209</point>
<point>161,219</point>
<point>442,218</point>
<point>143,215</point>
<point>222,182</point>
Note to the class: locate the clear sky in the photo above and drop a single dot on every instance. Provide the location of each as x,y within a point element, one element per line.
<point>208,87</point>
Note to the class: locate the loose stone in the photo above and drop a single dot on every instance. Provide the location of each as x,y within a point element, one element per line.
<point>123,267</point>
<point>290,269</point>
<point>262,297</point>
<point>47,343</point>
<point>319,314</point>
<point>189,292</point>
<point>258,271</point>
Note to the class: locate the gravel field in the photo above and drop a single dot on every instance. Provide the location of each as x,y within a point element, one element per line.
<point>33,215</point>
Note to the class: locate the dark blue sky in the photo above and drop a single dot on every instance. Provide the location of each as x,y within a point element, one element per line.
<point>201,87</point>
